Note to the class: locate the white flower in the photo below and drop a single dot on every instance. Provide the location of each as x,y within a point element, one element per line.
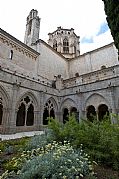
<point>81,175</point>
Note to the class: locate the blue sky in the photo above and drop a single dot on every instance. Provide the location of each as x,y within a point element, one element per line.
<point>87,17</point>
<point>87,40</point>
<point>103,28</point>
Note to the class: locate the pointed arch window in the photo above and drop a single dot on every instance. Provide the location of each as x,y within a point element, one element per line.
<point>65,115</point>
<point>25,113</point>
<point>65,46</point>
<point>91,113</point>
<point>55,45</point>
<point>21,115</point>
<point>102,111</point>
<point>30,115</point>
<point>48,112</point>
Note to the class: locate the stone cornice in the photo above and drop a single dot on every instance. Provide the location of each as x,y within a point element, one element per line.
<point>17,45</point>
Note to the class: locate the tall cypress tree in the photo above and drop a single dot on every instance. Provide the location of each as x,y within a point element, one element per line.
<point>112,12</point>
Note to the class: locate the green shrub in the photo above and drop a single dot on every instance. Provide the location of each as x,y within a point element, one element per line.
<point>15,144</point>
<point>40,140</point>
<point>100,139</point>
<point>57,161</point>
<point>62,132</point>
<point>51,161</point>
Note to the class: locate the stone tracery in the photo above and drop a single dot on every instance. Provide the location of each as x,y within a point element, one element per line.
<point>48,112</point>
<point>25,113</point>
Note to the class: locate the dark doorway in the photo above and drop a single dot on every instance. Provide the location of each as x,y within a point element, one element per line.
<point>45,116</point>
<point>102,111</point>
<point>1,113</point>
<point>52,113</point>
<point>74,112</point>
<point>20,121</point>
<point>65,115</point>
<point>30,116</point>
<point>91,113</point>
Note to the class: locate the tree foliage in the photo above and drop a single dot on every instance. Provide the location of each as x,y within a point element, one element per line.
<point>112,12</point>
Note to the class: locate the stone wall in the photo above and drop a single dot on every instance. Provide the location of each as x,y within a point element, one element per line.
<point>92,61</point>
<point>23,59</point>
<point>51,63</point>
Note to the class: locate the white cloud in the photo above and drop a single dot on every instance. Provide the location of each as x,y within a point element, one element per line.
<point>98,41</point>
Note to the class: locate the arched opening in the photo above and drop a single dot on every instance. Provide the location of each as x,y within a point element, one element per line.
<point>52,113</point>
<point>73,110</point>
<point>102,111</point>
<point>65,46</point>
<point>55,45</point>
<point>20,121</point>
<point>65,115</point>
<point>25,114</point>
<point>48,112</point>
<point>1,113</point>
<point>30,116</point>
<point>76,114</point>
<point>91,113</point>
<point>45,116</point>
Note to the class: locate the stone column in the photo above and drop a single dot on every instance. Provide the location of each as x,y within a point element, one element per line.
<point>112,102</point>
<point>59,116</point>
<point>5,120</point>
<point>41,109</point>
<point>13,112</point>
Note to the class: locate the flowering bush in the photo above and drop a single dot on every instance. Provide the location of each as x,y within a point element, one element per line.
<point>53,161</point>
<point>100,139</point>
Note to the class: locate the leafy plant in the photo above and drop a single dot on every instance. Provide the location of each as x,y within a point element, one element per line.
<point>100,139</point>
<point>111,10</point>
<point>57,161</point>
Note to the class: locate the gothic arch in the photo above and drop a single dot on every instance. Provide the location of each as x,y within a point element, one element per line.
<point>25,110</point>
<point>95,100</point>
<point>4,105</point>
<point>50,108</point>
<point>53,101</point>
<point>65,45</point>
<point>91,113</point>
<point>102,111</point>
<point>68,103</point>
<point>68,107</point>
<point>31,95</point>
<point>5,95</point>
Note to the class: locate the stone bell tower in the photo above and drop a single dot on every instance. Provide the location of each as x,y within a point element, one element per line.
<point>32,28</point>
<point>66,42</point>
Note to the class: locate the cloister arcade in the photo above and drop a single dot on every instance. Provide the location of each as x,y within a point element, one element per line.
<point>99,114</point>
<point>28,112</point>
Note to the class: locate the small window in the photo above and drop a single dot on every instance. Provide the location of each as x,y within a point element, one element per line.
<point>29,28</point>
<point>55,45</point>
<point>65,46</point>
<point>11,54</point>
